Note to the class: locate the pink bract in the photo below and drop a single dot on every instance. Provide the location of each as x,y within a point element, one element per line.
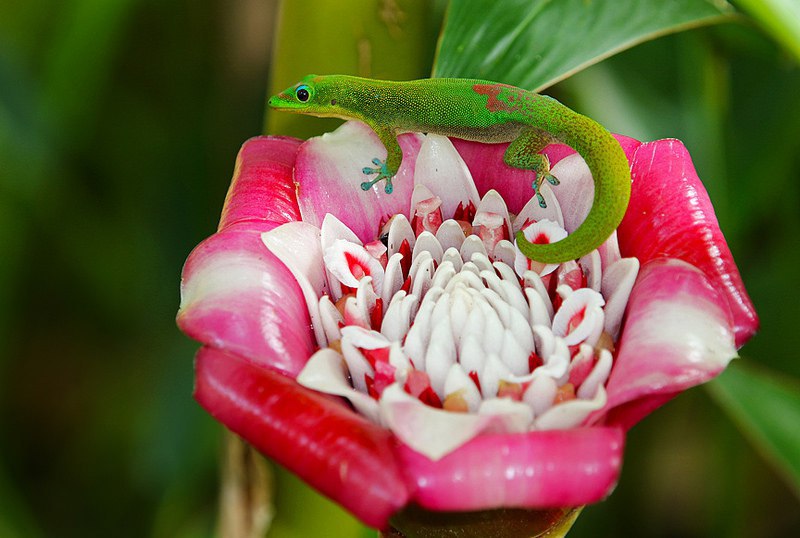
<point>687,313</point>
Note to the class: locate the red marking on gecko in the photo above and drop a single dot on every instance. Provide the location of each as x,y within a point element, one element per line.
<point>492,92</point>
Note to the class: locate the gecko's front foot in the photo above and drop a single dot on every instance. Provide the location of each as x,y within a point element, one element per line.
<point>383,174</point>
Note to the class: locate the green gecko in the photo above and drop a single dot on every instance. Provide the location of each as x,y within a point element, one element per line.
<point>481,111</point>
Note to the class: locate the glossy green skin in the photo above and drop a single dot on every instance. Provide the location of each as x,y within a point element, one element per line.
<point>486,112</point>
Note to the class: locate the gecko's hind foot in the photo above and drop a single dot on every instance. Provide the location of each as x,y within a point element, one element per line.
<point>383,174</point>
<point>538,194</point>
<point>551,179</point>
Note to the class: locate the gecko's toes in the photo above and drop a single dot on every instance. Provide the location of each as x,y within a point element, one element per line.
<point>553,180</point>
<point>542,203</point>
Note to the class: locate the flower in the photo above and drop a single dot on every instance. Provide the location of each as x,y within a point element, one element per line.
<point>474,377</point>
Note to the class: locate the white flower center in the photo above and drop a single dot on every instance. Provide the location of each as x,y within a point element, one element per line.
<point>445,319</point>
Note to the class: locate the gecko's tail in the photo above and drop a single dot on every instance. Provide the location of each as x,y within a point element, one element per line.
<point>612,191</point>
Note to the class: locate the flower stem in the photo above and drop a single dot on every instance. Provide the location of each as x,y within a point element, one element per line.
<point>245,504</point>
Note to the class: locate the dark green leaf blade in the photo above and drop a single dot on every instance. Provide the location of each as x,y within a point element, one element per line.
<point>533,44</point>
<point>766,407</point>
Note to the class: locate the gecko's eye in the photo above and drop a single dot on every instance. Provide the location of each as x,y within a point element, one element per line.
<point>302,93</point>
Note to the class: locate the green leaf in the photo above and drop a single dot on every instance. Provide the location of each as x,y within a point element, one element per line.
<point>535,44</point>
<point>780,18</point>
<point>766,407</point>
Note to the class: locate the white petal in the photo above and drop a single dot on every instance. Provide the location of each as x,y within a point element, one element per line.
<point>461,304</point>
<point>333,229</point>
<point>570,414</point>
<point>331,318</point>
<point>358,366</point>
<point>426,241</point>
<point>586,304</point>
<point>505,252</point>
<point>342,256</point>
<point>429,431</point>
<point>440,168</point>
<point>422,277</point>
<point>471,245</point>
<point>493,328</point>
<point>609,251</point>
<point>399,230</point>
<point>355,315</point>
<point>618,282</point>
<point>492,204</point>
<point>325,372</point>
<point>493,371</point>
<point>575,192</point>
<point>452,255</point>
<point>420,194</point>
<point>471,354</point>
<point>418,337</point>
<point>297,245</point>
<point>597,377</point>
<point>450,235</point>
<point>514,355</point>
<point>538,311</point>
<point>546,228</point>
<point>592,268</point>
<point>553,352</point>
<point>400,362</point>
<point>440,356</point>
<point>540,394</point>
<point>512,417</point>
<point>444,274</point>
<point>396,319</point>
<point>392,278</point>
<point>458,381</point>
<point>482,261</point>
<point>531,279</point>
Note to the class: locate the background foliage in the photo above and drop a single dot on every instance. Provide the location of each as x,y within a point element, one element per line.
<point>119,123</point>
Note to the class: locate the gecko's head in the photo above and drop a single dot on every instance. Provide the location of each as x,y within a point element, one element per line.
<point>305,97</point>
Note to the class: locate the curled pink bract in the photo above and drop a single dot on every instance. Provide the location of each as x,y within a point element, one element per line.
<point>687,313</point>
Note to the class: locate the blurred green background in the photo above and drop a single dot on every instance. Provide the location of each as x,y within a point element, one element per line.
<point>119,124</point>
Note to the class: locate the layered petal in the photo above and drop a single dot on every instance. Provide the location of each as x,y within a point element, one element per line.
<point>670,215</point>
<point>485,162</point>
<point>341,454</point>
<point>328,175</point>
<point>262,187</point>
<point>235,294</point>
<point>539,469</point>
<point>678,334</point>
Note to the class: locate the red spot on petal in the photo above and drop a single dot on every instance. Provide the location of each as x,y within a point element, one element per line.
<point>541,239</point>
<point>429,397</point>
<point>355,266</point>
<point>405,262</point>
<point>406,285</point>
<point>580,371</point>
<point>534,361</point>
<point>374,356</point>
<point>576,320</point>
<point>376,316</point>
<point>418,384</point>
<point>473,375</point>
<point>371,387</point>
